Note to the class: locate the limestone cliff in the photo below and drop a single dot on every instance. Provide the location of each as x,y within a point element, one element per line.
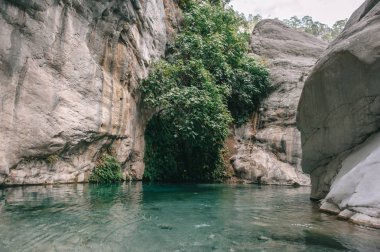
<point>269,147</point>
<point>339,117</point>
<point>68,76</point>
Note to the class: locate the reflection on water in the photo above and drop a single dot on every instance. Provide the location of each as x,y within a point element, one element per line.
<point>137,217</point>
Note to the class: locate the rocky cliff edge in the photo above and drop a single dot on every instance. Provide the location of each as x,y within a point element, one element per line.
<point>68,76</point>
<point>339,120</point>
<point>268,148</point>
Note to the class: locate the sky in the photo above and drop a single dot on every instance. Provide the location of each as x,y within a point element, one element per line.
<point>324,11</point>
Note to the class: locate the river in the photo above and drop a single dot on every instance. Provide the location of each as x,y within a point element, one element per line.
<point>151,217</point>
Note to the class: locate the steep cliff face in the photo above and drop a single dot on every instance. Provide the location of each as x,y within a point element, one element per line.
<point>339,116</point>
<point>269,147</point>
<point>68,76</point>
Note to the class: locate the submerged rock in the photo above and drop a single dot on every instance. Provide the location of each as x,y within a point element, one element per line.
<point>339,119</point>
<point>263,238</point>
<point>68,78</point>
<point>268,148</point>
<point>165,227</point>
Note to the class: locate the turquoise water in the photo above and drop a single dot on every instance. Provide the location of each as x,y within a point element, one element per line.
<point>145,217</point>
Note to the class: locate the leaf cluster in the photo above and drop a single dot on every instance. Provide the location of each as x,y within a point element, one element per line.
<point>107,170</point>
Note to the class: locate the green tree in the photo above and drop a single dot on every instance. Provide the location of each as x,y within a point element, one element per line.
<point>207,77</point>
<point>107,170</point>
<point>338,27</point>
<point>252,21</point>
<point>316,28</point>
<point>295,22</point>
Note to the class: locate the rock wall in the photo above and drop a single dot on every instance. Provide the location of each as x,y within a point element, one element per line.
<point>269,146</point>
<point>68,76</point>
<point>339,115</point>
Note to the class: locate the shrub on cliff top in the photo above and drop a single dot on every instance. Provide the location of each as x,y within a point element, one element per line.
<point>107,170</point>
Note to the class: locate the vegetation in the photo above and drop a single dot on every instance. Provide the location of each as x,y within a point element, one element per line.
<point>318,29</point>
<point>306,24</point>
<point>206,82</point>
<point>52,159</point>
<point>107,170</point>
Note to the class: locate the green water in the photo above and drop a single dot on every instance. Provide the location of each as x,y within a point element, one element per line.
<point>143,217</point>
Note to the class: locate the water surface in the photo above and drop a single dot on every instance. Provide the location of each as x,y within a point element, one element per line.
<point>146,217</point>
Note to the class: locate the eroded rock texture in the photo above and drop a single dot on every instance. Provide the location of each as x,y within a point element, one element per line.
<point>269,147</point>
<point>68,76</point>
<point>339,115</point>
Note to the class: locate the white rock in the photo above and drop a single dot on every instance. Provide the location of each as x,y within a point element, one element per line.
<point>362,219</point>
<point>68,78</point>
<point>329,208</point>
<point>345,214</point>
<point>357,184</point>
<point>339,118</point>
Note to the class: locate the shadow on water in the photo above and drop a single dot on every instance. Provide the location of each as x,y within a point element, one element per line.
<point>104,194</point>
<point>320,239</point>
<point>177,192</point>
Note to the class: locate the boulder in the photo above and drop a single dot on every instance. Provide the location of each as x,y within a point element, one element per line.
<point>68,77</point>
<point>339,118</point>
<point>268,148</point>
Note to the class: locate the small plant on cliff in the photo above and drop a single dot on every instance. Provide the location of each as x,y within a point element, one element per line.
<point>107,170</point>
<point>52,159</point>
<point>207,82</point>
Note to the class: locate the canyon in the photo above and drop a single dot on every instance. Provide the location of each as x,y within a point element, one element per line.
<point>70,70</point>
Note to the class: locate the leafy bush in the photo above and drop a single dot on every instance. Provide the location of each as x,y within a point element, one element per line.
<point>250,84</point>
<point>183,142</point>
<point>107,170</point>
<point>206,78</point>
<point>52,159</point>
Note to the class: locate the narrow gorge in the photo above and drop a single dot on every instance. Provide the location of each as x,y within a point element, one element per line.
<point>184,125</point>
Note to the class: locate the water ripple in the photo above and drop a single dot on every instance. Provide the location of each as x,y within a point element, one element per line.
<point>137,217</point>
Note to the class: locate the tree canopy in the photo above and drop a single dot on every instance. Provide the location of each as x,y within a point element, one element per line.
<point>206,82</point>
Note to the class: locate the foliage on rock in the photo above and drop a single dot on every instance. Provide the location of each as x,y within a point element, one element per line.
<point>107,170</point>
<point>316,28</point>
<point>206,82</point>
<point>305,24</point>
